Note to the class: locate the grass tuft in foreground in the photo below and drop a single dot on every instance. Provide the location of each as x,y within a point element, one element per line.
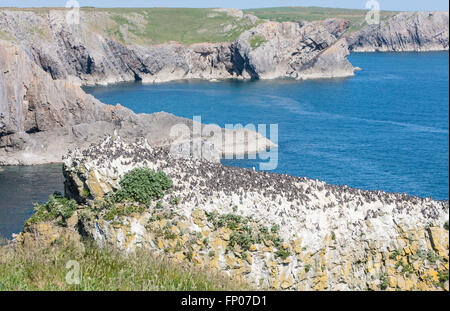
<point>44,268</point>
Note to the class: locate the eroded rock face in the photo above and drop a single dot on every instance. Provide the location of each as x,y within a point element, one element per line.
<point>41,118</point>
<point>81,54</point>
<point>312,50</point>
<point>408,31</point>
<point>275,231</point>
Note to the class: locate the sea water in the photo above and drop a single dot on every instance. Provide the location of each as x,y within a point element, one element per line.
<point>385,128</point>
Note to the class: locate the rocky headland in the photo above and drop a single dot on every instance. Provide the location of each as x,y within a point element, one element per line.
<point>43,61</point>
<point>273,231</point>
<point>405,32</point>
<point>85,54</point>
<point>41,119</point>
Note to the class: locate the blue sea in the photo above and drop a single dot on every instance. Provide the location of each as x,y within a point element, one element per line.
<point>385,128</point>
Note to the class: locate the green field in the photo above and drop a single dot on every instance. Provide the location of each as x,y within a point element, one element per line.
<point>295,14</point>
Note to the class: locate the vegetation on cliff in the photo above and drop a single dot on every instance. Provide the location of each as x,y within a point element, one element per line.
<point>142,185</point>
<point>296,14</point>
<point>43,266</point>
<point>57,207</point>
<point>163,25</point>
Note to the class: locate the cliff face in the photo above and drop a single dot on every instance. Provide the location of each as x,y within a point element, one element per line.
<point>274,231</point>
<point>408,31</point>
<point>43,113</point>
<point>85,55</point>
<point>94,53</point>
<point>41,118</point>
<point>312,50</point>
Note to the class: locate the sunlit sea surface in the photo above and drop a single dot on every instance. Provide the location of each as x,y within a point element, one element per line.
<point>385,128</point>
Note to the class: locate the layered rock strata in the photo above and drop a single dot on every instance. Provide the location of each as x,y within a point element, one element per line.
<point>274,231</point>
<point>85,55</point>
<point>41,118</point>
<point>405,32</point>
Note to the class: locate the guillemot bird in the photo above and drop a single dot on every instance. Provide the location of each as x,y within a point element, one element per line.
<point>287,192</point>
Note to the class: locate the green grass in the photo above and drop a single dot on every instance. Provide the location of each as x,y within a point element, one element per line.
<point>162,25</point>
<point>159,25</point>
<point>44,268</point>
<point>256,41</point>
<point>5,36</point>
<point>57,207</point>
<point>189,25</point>
<point>295,14</point>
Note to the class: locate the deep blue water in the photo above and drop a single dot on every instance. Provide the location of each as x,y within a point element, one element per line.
<point>20,188</point>
<point>386,128</point>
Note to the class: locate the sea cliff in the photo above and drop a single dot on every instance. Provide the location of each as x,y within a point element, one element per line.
<point>41,119</point>
<point>405,32</point>
<point>43,61</point>
<point>87,53</point>
<point>269,230</point>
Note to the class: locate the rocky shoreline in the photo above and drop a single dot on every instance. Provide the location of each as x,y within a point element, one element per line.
<point>270,230</point>
<point>85,54</point>
<point>405,32</point>
<point>43,60</point>
<point>41,119</point>
<point>268,50</point>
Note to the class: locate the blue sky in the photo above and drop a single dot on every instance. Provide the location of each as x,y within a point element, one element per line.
<point>398,5</point>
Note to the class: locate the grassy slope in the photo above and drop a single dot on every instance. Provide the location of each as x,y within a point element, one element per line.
<point>187,26</point>
<point>162,25</point>
<point>284,14</point>
<point>44,268</point>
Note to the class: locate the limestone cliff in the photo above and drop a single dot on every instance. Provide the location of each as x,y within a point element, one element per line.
<point>42,59</point>
<point>86,55</point>
<point>408,31</point>
<point>300,51</point>
<point>41,118</point>
<point>274,231</point>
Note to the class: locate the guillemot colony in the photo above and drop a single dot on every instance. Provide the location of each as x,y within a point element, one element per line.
<point>321,236</point>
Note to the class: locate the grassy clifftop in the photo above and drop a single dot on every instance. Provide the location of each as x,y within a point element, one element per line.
<point>162,25</point>
<point>188,25</point>
<point>292,14</point>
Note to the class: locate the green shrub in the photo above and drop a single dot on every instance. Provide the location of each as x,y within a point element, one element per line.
<point>231,221</point>
<point>57,206</point>
<point>275,228</point>
<point>142,185</point>
<point>244,239</point>
<point>85,193</point>
<point>283,253</point>
<point>175,201</point>
<point>384,281</point>
<point>122,210</point>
